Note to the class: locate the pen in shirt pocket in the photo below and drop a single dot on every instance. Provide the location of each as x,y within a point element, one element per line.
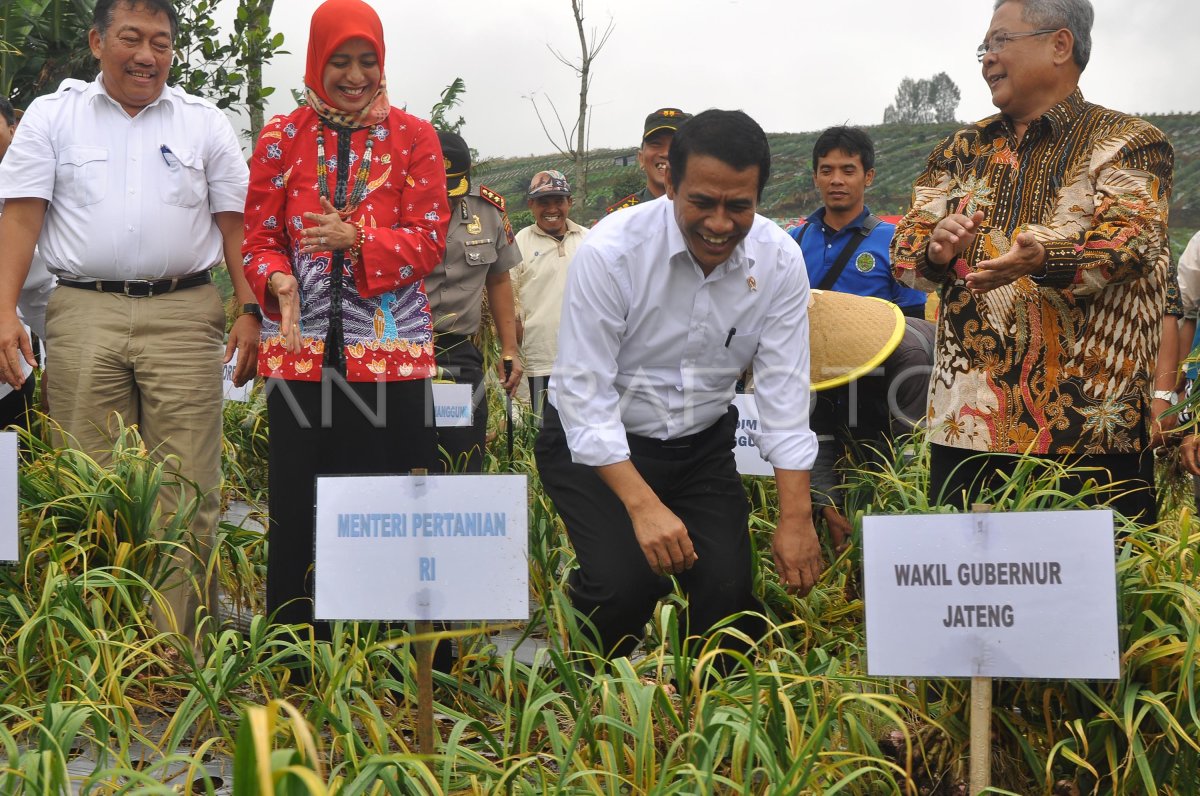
<point>729,337</point>
<point>169,157</point>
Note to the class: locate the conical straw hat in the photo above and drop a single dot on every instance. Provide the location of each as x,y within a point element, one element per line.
<point>849,336</point>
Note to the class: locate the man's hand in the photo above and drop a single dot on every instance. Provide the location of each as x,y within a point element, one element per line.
<point>664,539</point>
<point>797,555</point>
<point>1161,423</point>
<point>286,290</point>
<point>840,529</point>
<point>513,381</point>
<point>1190,450</point>
<point>952,236</point>
<point>243,338</point>
<point>14,343</point>
<point>1026,257</point>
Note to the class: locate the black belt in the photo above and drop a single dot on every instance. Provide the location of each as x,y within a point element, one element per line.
<point>142,288</point>
<point>681,447</point>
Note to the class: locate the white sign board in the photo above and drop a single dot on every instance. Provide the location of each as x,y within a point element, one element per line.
<point>452,405</point>
<point>26,369</point>
<point>745,452</point>
<point>394,547</point>
<point>9,550</point>
<point>230,391</point>
<point>1020,594</point>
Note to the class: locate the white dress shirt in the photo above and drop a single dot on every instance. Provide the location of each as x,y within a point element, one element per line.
<point>130,197</point>
<point>648,345</point>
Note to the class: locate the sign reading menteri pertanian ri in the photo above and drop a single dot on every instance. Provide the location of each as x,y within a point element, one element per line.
<point>395,547</point>
<point>1019,594</point>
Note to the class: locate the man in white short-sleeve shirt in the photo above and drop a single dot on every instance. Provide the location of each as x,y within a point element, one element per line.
<point>666,304</point>
<point>133,191</point>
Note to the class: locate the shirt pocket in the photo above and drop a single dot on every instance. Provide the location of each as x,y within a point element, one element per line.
<point>82,174</point>
<point>740,350</point>
<point>185,184</point>
<point>483,254</point>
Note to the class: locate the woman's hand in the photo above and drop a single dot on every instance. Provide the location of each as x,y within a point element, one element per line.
<point>286,290</point>
<point>329,232</point>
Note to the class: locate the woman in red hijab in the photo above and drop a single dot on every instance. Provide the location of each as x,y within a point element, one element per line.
<point>345,215</point>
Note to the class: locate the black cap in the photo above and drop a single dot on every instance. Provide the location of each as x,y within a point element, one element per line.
<point>457,159</point>
<point>664,119</point>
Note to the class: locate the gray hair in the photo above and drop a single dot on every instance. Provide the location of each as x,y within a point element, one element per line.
<point>1074,15</point>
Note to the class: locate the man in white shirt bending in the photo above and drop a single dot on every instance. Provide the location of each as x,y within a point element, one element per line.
<point>133,191</point>
<point>666,304</point>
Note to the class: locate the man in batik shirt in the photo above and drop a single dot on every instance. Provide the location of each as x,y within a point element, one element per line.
<point>1044,227</point>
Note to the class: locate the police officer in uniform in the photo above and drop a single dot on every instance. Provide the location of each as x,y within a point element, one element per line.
<point>657,133</point>
<point>479,254</point>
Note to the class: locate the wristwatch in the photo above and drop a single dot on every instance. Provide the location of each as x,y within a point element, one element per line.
<point>1166,395</point>
<point>252,309</point>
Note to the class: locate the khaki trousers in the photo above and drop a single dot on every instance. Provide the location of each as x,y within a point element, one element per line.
<point>154,361</point>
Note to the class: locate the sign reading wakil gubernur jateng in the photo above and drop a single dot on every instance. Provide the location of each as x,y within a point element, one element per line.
<point>1022,594</point>
<point>421,547</point>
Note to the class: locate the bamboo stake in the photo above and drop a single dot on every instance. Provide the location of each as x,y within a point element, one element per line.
<point>423,652</point>
<point>981,734</point>
<point>981,719</point>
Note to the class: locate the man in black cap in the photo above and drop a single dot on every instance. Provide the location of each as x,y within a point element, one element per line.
<point>479,253</point>
<point>657,133</point>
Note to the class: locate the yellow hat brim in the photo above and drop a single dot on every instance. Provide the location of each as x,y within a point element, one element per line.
<point>849,336</point>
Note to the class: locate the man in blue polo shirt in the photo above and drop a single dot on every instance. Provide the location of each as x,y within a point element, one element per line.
<point>843,167</point>
<point>846,250</point>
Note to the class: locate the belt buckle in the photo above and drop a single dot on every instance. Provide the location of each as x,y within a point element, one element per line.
<point>139,288</point>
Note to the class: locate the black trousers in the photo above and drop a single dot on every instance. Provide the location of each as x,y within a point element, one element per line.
<point>461,449</point>
<point>538,387</point>
<point>14,407</point>
<point>958,472</point>
<point>695,477</point>
<point>332,427</point>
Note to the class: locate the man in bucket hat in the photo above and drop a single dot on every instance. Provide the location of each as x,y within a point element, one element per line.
<point>547,248</point>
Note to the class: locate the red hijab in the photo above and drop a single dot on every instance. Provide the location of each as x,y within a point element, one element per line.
<point>333,24</point>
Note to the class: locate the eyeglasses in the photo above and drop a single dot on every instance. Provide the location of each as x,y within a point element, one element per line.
<point>999,40</point>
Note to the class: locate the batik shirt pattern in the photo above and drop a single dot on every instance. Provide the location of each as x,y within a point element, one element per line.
<point>1059,363</point>
<point>385,313</point>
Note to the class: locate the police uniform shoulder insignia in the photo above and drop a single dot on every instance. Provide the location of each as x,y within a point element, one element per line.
<point>492,197</point>
<point>628,201</point>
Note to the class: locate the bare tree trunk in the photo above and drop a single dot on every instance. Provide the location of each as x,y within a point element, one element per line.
<point>576,150</point>
<point>585,69</point>
<point>260,28</point>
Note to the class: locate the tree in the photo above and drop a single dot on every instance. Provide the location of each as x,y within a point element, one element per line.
<point>923,101</point>
<point>229,72</point>
<point>46,43</point>
<point>43,43</point>
<point>944,95</point>
<point>589,48</point>
<point>450,99</point>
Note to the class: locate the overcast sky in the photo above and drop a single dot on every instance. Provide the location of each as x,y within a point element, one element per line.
<point>794,65</point>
